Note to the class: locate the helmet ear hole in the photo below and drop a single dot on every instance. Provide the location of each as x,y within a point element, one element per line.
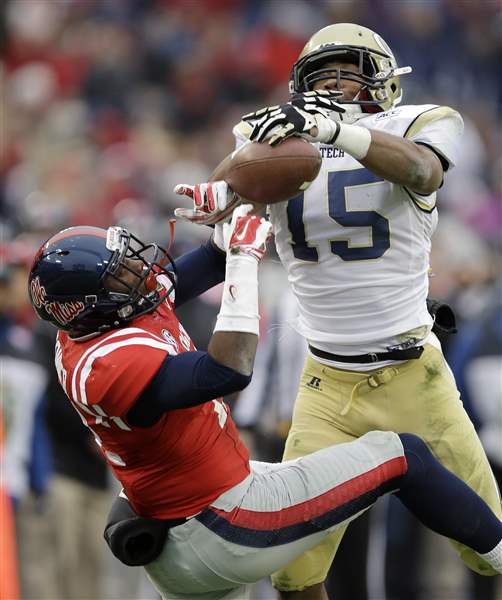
<point>393,87</point>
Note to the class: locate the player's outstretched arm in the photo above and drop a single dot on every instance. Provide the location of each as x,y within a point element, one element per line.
<point>192,378</point>
<point>399,160</point>
<point>235,336</point>
<point>393,158</point>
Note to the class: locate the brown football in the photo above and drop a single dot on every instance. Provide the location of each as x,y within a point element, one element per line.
<point>265,174</point>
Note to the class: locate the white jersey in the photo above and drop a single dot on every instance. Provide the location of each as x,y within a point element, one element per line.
<point>356,247</point>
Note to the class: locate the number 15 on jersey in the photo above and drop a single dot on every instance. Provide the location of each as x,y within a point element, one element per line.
<point>341,185</point>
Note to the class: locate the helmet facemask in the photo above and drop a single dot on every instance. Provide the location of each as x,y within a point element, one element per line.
<point>375,70</point>
<point>145,294</point>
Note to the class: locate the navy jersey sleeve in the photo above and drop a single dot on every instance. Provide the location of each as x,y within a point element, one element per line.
<point>183,381</point>
<point>198,271</point>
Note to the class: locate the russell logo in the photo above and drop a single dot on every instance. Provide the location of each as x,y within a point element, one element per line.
<point>315,384</point>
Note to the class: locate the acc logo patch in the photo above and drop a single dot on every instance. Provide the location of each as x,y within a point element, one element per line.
<point>170,339</point>
<point>388,114</point>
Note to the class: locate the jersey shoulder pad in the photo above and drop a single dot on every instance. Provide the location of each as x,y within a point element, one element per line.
<point>407,120</point>
<point>432,114</point>
<point>114,372</point>
<point>397,118</point>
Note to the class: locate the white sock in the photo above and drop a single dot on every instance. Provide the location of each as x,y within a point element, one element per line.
<point>494,557</point>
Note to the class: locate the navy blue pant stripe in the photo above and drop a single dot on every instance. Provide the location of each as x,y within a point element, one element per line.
<point>276,537</point>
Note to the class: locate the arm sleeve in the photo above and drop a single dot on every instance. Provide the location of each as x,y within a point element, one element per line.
<point>183,381</point>
<point>198,271</point>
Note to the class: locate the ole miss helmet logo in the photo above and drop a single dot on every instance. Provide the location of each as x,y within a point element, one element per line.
<point>62,312</point>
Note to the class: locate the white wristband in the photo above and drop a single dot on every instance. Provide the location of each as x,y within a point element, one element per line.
<point>239,304</point>
<point>327,130</point>
<point>353,139</point>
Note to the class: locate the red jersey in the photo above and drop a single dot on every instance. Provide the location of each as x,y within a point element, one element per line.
<point>183,462</point>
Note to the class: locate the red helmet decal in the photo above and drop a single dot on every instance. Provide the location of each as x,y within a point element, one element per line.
<point>37,292</point>
<point>73,231</point>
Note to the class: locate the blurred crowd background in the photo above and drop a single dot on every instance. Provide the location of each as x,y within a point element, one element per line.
<point>105,106</point>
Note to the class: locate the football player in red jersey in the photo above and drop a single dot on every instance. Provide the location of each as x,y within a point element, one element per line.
<point>205,521</point>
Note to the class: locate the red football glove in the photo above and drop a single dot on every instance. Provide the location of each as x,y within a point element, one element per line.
<point>247,234</point>
<point>212,202</point>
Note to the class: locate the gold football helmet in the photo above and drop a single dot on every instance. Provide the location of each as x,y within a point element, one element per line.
<point>346,42</point>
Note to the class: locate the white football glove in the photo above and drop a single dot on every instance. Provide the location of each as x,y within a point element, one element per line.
<point>246,234</point>
<point>212,202</point>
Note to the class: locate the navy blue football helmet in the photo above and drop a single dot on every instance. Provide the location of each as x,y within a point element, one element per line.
<point>77,279</point>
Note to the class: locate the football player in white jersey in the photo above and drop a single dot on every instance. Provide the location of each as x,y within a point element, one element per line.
<point>356,248</point>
